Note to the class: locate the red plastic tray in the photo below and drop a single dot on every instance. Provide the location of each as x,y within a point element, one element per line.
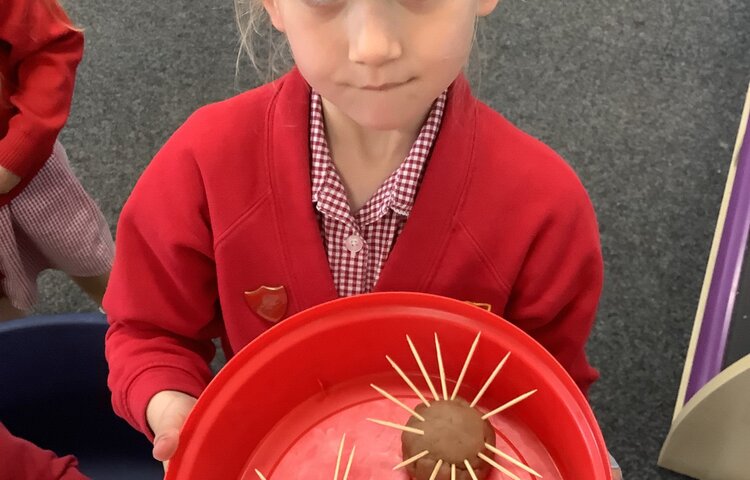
<point>282,404</point>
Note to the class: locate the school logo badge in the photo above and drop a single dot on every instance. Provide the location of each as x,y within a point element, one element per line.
<point>270,303</point>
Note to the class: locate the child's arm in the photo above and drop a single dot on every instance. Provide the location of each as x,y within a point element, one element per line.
<point>20,459</point>
<point>162,299</point>
<point>46,51</point>
<point>556,294</point>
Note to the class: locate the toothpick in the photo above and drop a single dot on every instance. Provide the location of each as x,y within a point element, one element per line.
<point>338,458</point>
<point>453,472</point>
<point>349,463</point>
<point>397,426</point>
<point>471,470</point>
<point>466,366</point>
<point>406,379</point>
<point>440,365</point>
<point>260,475</point>
<point>436,469</point>
<point>412,459</point>
<point>509,404</point>
<point>489,380</point>
<point>501,469</point>
<point>422,369</point>
<point>397,402</point>
<point>512,460</point>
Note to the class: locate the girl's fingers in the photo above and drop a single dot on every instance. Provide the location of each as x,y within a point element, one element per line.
<point>165,444</point>
<point>166,414</point>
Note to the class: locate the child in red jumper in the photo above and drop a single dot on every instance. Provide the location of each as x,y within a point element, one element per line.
<point>22,460</point>
<point>369,167</point>
<point>46,218</point>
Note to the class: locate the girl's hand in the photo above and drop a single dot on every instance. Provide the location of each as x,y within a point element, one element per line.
<point>8,180</point>
<point>616,471</point>
<point>166,413</point>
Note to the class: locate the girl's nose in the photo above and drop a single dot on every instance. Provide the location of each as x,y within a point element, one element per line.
<point>373,36</point>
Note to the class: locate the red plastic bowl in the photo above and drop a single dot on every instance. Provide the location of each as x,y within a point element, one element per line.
<point>282,404</point>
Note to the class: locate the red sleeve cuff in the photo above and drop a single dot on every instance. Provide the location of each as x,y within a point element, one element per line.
<point>22,154</point>
<point>150,382</point>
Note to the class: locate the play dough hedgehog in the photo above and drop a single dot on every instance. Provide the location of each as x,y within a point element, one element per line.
<point>449,438</point>
<point>454,435</point>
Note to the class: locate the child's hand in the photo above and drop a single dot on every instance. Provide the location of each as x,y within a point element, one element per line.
<point>8,180</point>
<point>166,413</point>
<point>616,472</point>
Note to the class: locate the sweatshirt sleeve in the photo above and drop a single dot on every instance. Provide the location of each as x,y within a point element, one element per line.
<point>162,300</point>
<point>46,51</point>
<point>556,294</point>
<point>21,459</point>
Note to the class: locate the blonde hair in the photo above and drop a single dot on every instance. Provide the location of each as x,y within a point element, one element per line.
<point>255,26</point>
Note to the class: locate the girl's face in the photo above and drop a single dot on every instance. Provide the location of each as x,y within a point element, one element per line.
<point>380,62</point>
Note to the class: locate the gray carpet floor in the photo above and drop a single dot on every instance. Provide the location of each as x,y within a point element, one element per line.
<point>642,97</point>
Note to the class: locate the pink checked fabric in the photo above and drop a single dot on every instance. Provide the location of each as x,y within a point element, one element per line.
<point>358,244</point>
<point>52,223</point>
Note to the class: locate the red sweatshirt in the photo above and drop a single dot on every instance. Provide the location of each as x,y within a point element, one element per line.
<point>225,207</point>
<point>22,460</point>
<point>39,54</point>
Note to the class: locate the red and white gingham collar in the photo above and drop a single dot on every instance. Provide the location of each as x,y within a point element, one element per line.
<point>398,192</point>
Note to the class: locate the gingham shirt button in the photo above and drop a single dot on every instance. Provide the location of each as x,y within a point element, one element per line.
<point>354,243</point>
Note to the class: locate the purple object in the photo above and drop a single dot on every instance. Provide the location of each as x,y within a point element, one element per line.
<point>712,339</point>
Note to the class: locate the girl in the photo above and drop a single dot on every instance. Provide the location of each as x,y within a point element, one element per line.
<point>369,167</point>
<point>46,218</point>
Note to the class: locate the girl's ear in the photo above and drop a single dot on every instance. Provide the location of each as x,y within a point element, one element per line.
<point>272,8</point>
<point>485,7</point>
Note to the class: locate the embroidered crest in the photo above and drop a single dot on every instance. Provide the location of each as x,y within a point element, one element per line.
<point>270,303</point>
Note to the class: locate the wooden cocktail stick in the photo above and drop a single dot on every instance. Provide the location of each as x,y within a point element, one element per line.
<point>411,460</point>
<point>498,467</point>
<point>338,458</point>
<point>408,382</point>
<point>397,402</point>
<point>349,463</point>
<point>466,366</point>
<point>470,470</point>
<point>489,380</point>
<point>440,366</point>
<point>397,426</point>
<point>422,369</point>
<point>508,405</point>
<point>512,460</point>
<point>436,469</point>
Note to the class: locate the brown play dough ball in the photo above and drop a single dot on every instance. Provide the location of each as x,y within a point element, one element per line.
<point>453,431</point>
